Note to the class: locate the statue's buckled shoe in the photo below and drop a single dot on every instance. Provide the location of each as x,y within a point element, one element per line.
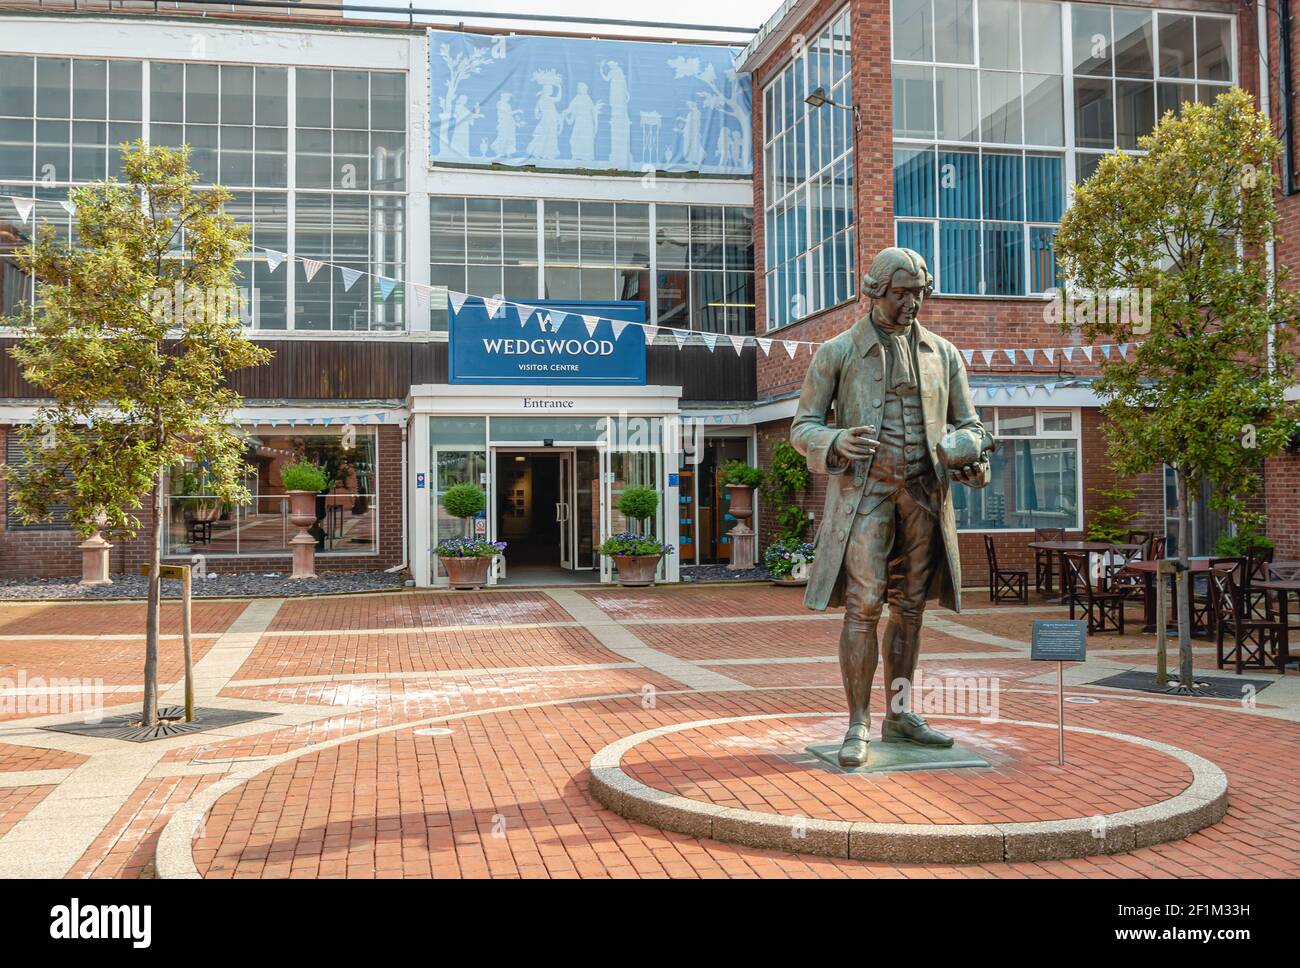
<point>909,727</point>
<point>853,752</point>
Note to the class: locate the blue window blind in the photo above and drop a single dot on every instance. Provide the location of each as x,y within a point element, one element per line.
<point>959,184</point>
<point>918,236</point>
<point>1044,184</point>
<point>914,183</point>
<point>1004,259</point>
<point>1003,187</point>
<point>1043,272</point>
<point>959,257</point>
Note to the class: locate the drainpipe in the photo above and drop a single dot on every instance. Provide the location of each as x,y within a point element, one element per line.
<point>406,555</point>
<point>1261,34</point>
<point>1285,95</point>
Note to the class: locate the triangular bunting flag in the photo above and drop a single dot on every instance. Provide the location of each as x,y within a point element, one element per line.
<point>492,304</point>
<point>1105,350</point>
<point>1011,355</point>
<point>970,356</point>
<point>554,319</point>
<point>764,344</point>
<point>791,347</point>
<point>1049,387</point>
<point>650,331</point>
<point>457,300</point>
<point>738,342</point>
<point>350,277</point>
<point>619,325</point>
<point>68,206</point>
<point>273,259</point>
<point>1050,352</point>
<point>421,294</point>
<point>1068,353</point>
<point>525,314</point>
<point>1087,352</point>
<point>1029,355</point>
<point>1123,350</point>
<point>591,322</point>
<point>309,268</point>
<point>988,357</point>
<point>681,336</point>
<point>24,206</point>
<point>386,287</point>
<point>710,340</point>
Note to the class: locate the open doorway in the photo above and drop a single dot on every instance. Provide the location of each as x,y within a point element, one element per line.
<point>542,517</point>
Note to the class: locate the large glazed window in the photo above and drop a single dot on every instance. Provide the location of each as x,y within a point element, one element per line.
<point>346,512</point>
<point>999,105</point>
<point>808,180</point>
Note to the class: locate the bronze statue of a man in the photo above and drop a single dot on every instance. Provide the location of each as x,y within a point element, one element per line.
<point>888,526</point>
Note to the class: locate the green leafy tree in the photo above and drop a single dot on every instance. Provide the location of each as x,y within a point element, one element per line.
<point>1112,520</point>
<point>464,501</point>
<point>133,336</point>
<point>1188,223</point>
<point>638,503</point>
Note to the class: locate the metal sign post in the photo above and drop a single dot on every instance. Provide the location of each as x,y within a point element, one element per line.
<point>1060,642</point>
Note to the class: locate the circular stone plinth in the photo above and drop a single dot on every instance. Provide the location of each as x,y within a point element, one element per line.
<point>748,780</point>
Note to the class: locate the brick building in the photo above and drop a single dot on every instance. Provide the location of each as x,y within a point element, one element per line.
<point>685,203</point>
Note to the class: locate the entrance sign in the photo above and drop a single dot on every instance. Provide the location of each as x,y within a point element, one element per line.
<point>580,103</point>
<point>550,344</point>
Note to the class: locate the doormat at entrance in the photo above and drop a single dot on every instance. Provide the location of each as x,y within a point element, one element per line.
<point>171,722</point>
<point>1212,687</point>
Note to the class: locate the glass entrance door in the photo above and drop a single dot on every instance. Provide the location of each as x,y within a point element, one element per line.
<point>626,469</point>
<point>564,511</point>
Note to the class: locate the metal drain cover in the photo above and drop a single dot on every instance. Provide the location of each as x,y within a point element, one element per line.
<point>171,723</point>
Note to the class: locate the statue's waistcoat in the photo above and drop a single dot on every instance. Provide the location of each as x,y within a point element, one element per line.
<point>902,459</point>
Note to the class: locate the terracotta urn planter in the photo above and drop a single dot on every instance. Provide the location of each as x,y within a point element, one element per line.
<point>742,501</point>
<point>636,571</point>
<point>467,573</point>
<point>302,513</point>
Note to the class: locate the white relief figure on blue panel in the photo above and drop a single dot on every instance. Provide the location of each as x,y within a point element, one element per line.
<point>584,115</point>
<point>464,116</point>
<point>460,67</point>
<point>651,122</point>
<point>545,143</point>
<point>509,118</point>
<point>620,124</point>
<point>688,127</point>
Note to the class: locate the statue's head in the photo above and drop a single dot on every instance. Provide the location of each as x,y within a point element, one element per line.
<point>898,282</point>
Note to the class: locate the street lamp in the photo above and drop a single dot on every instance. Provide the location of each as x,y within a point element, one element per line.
<point>818,97</point>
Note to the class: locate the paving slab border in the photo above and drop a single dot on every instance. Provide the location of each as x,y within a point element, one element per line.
<point>1204,802</point>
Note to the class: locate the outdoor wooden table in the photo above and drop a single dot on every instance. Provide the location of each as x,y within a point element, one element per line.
<point>1092,547</point>
<point>1283,570</point>
<point>1283,588</point>
<point>1147,569</point>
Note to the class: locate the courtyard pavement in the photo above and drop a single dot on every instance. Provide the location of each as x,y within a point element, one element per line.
<point>438,734</point>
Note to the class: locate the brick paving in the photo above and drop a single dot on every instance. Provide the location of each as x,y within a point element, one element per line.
<point>339,783</point>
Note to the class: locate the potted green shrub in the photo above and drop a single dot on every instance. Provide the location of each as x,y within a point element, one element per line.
<point>787,561</point>
<point>636,556</point>
<point>303,480</point>
<point>467,558</point>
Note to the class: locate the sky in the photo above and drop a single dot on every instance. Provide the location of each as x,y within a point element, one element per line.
<point>730,13</point>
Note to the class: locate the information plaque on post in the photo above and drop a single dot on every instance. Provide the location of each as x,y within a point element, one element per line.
<point>1059,642</point>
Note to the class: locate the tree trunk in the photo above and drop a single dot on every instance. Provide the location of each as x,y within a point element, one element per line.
<point>154,608</point>
<point>1183,583</point>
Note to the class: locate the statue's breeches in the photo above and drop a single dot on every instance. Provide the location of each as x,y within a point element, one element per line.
<point>892,553</point>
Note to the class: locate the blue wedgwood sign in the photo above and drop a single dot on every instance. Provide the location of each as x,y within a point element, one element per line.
<point>570,102</point>
<point>552,347</point>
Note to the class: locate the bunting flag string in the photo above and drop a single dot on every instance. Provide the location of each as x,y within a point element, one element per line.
<point>553,319</point>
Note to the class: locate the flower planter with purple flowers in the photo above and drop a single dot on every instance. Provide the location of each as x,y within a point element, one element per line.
<point>468,560</point>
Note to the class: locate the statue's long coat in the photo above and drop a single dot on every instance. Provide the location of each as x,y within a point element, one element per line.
<point>849,371</point>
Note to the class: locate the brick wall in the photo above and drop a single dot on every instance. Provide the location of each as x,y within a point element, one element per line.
<point>25,553</point>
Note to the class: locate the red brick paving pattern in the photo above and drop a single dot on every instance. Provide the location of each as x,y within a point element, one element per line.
<point>112,619</point>
<point>278,656</point>
<point>752,766</point>
<point>418,610</point>
<point>17,802</point>
<point>116,661</point>
<point>398,804</point>
<point>21,758</point>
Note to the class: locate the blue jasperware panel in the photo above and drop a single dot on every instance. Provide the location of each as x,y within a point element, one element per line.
<point>574,103</point>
